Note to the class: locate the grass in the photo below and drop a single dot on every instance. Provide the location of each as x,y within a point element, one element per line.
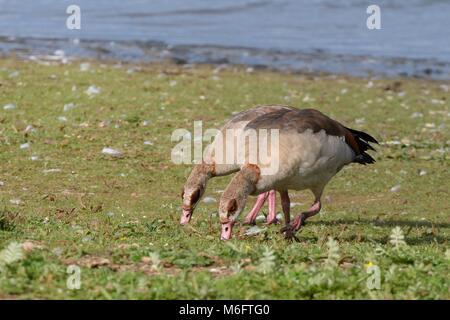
<point>117,218</point>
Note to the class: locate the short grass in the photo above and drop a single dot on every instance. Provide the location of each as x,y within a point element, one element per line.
<point>117,218</point>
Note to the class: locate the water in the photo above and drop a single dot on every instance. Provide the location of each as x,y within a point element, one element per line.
<point>303,35</point>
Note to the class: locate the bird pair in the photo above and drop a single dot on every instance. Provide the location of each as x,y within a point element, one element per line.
<point>311,149</point>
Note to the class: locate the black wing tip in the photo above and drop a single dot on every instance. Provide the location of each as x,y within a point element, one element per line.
<point>364,158</point>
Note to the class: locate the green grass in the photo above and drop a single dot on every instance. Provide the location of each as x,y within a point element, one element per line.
<point>118,218</point>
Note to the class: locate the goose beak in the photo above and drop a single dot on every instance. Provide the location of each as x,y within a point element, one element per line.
<point>226,230</point>
<point>186,217</point>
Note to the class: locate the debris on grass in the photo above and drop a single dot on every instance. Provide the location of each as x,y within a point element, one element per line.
<point>87,239</point>
<point>422,172</point>
<point>14,74</point>
<point>92,91</point>
<point>104,123</point>
<point>209,200</point>
<point>25,145</point>
<point>260,218</point>
<point>360,121</point>
<point>51,170</point>
<point>254,230</point>
<point>29,128</point>
<point>9,106</point>
<point>112,152</point>
<point>391,142</point>
<point>15,201</point>
<point>148,143</point>
<point>395,188</point>
<point>417,115</point>
<point>294,204</point>
<point>85,66</point>
<point>69,106</point>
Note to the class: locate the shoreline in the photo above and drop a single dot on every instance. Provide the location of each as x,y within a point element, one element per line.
<point>315,62</point>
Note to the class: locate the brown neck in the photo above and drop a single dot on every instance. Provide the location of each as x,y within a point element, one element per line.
<point>242,184</point>
<point>200,174</point>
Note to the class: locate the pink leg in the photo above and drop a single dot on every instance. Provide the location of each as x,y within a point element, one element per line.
<point>251,217</point>
<point>272,216</point>
<point>290,229</point>
<point>286,205</point>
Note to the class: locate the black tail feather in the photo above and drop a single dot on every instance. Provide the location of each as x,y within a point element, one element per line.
<point>364,158</point>
<point>362,135</point>
<point>363,139</point>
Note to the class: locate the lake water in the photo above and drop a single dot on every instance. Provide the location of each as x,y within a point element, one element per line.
<point>302,35</point>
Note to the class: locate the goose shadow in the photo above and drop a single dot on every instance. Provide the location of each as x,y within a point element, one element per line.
<point>383,223</point>
<point>411,240</point>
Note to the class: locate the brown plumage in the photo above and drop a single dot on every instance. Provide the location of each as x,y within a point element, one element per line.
<point>304,119</point>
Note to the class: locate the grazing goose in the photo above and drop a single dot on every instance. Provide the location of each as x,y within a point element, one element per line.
<point>195,185</point>
<point>312,149</point>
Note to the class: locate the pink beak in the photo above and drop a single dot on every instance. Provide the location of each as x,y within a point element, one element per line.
<point>226,230</point>
<point>186,216</point>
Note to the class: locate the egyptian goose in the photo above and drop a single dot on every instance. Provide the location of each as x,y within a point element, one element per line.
<point>312,149</point>
<point>195,185</point>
